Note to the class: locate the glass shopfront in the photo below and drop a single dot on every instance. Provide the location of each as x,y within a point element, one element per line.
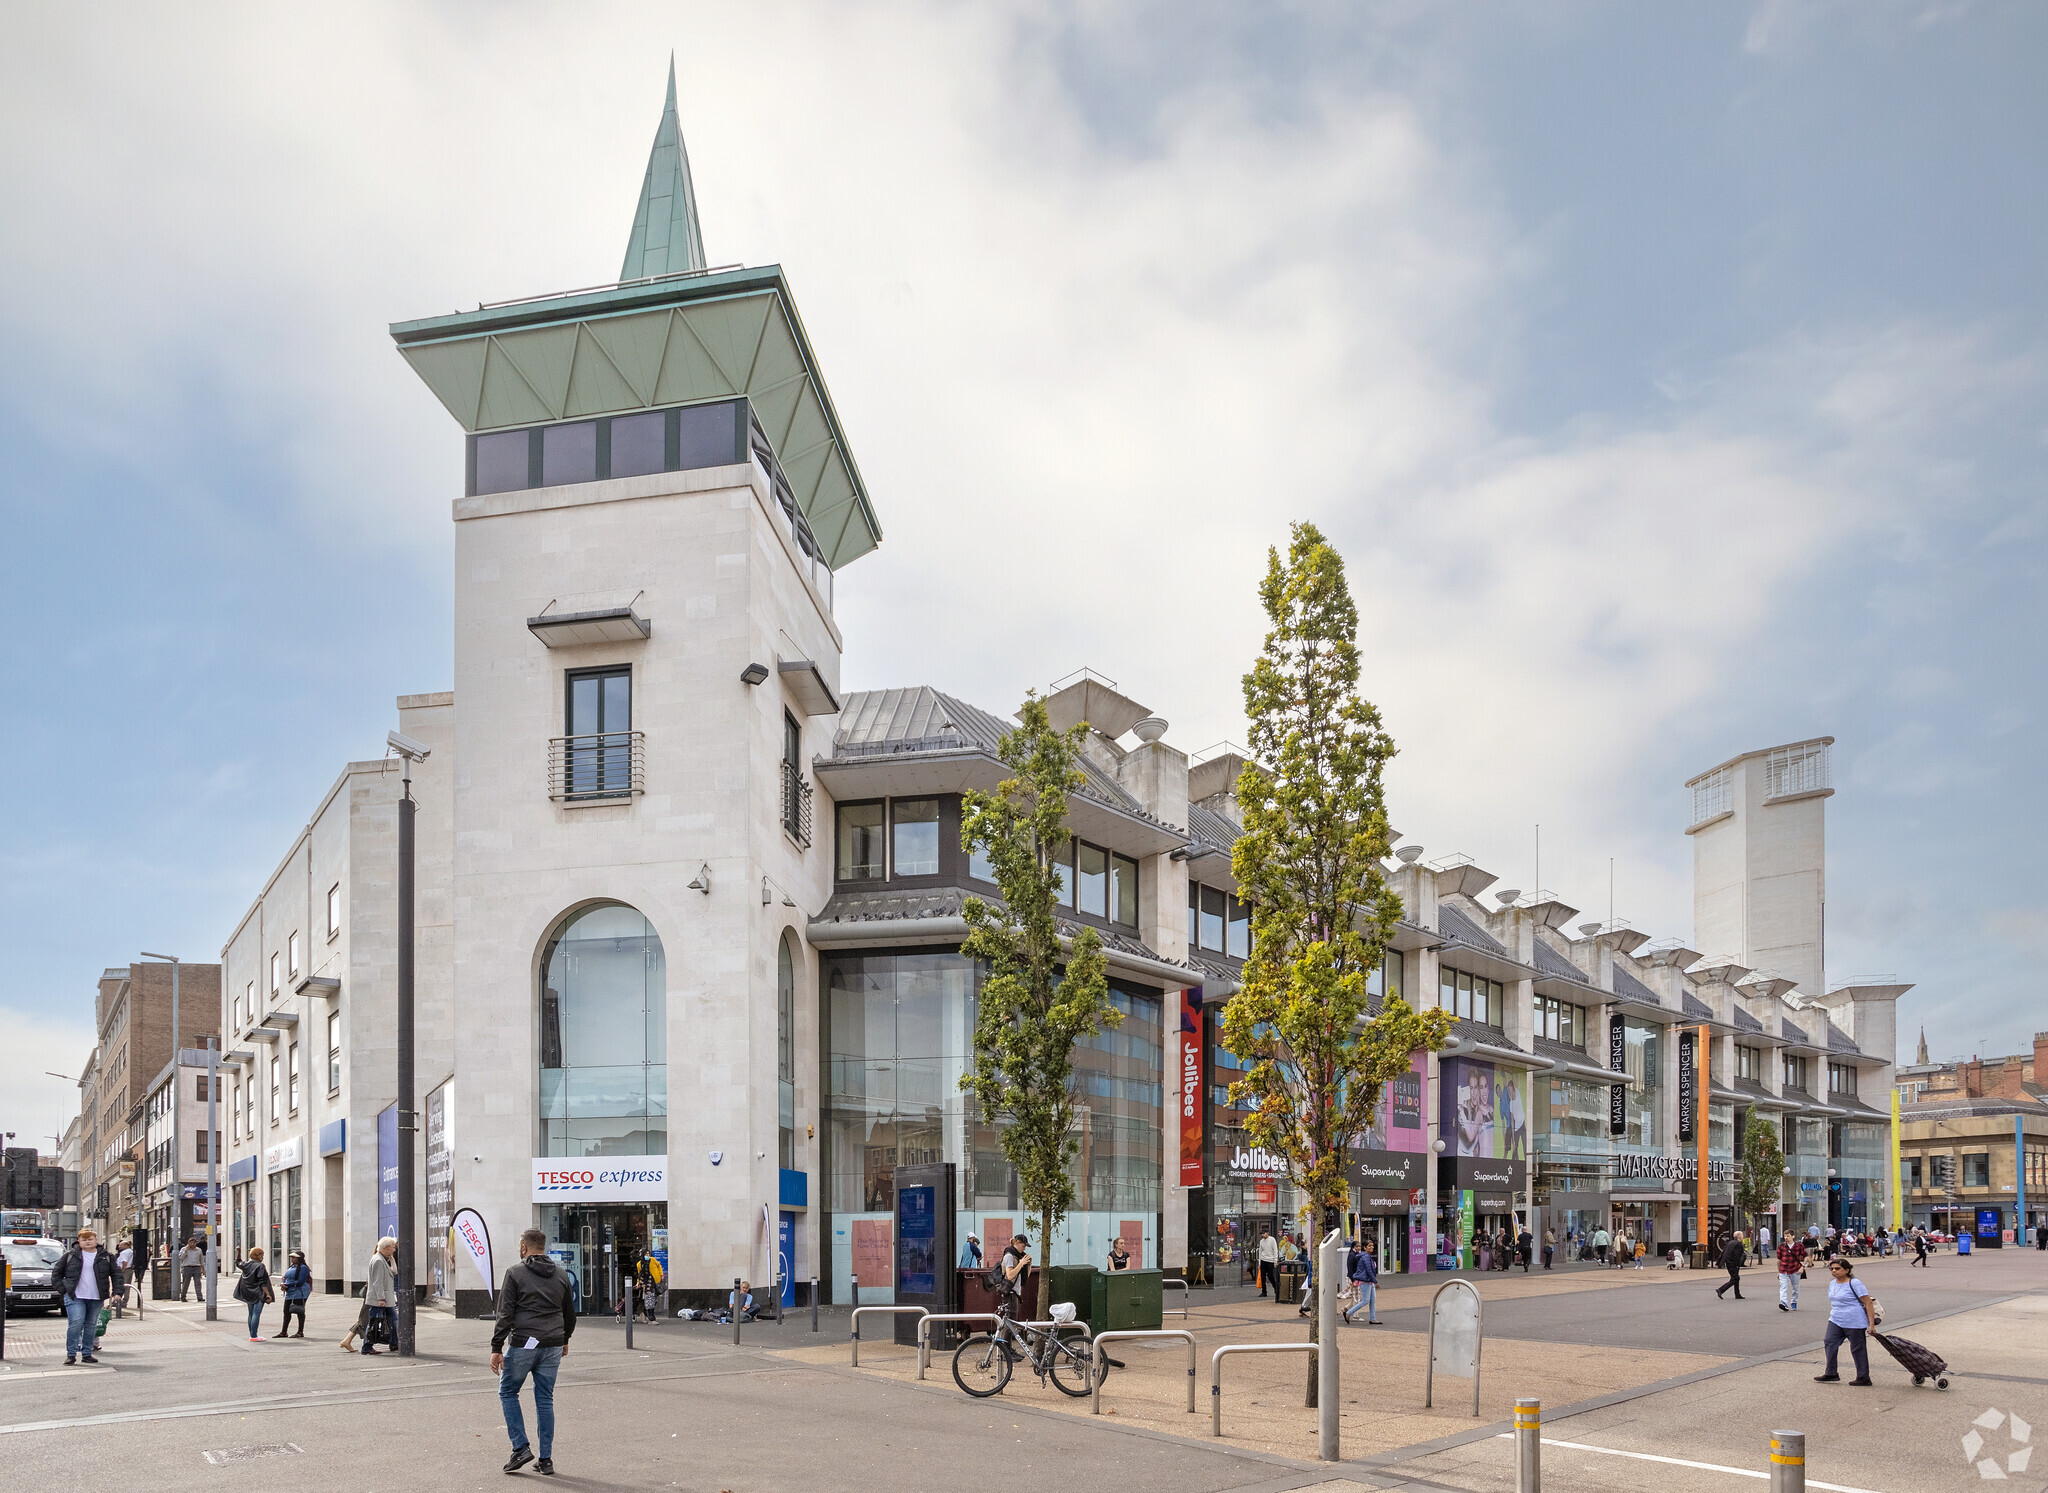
<point>1861,1195</point>
<point>603,1037</point>
<point>1805,1142</point>
<point>898,1038</point>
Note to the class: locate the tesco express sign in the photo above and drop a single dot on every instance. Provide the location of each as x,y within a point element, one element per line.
<point>600,1179</point>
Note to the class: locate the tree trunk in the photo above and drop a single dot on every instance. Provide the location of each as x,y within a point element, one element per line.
<point>1045,1267</point>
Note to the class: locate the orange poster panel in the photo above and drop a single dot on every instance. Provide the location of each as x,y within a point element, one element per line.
<point>873,1252</point>
<point>995,1238</point>
<point>1132,1232</point>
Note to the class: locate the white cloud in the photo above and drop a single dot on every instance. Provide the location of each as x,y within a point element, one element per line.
<point>39,1106</point>
<point>1088,382</point>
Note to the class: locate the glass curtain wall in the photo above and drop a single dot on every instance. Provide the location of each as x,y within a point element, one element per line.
<point>1805,1141</point>
<point>1862,1155</point>
<point>603,1037</point>
<point>899,1030</point>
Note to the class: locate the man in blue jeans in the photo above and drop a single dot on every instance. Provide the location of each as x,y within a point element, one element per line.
<point>536,1319</point>
<point>85,1279</point>
<point>1365,1275</point>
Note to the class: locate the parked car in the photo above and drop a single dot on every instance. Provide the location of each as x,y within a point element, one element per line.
<point>33,1260</point>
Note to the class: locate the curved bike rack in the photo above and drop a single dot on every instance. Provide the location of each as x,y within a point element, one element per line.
<point>924,1336</point>
<point>860,1311</point>
<point>1216,1373</point>
<point>1185,1296</point>
<point>1102,1361</point>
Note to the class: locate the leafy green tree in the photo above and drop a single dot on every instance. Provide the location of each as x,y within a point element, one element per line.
<point>1037,998</point>
<point>1315,832</point>
<point>1760,1181</point>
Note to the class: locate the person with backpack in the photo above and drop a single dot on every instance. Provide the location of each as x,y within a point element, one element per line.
<point>298,1285</point>
<point>536,1318</point>
<point>1365,1278</point>
<point>254,1291</point>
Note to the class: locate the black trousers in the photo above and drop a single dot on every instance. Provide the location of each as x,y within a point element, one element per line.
<point>291,1307</point>
<point>1734,1279</point>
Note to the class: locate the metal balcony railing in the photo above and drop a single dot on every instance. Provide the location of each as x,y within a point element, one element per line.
<point>796,804</point>
<point>606,765</point>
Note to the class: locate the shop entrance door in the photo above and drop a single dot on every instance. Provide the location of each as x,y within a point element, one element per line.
<point>1389,1236</point>
<point>603,1242</point>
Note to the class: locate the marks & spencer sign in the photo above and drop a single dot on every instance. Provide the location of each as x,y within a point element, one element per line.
<point>600,1179</point>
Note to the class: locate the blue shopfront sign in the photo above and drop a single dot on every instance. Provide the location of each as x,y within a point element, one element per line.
<point>387,1173</point>
<point>785,1245</point>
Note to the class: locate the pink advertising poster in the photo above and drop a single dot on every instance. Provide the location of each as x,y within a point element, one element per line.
<point>873,1258</point>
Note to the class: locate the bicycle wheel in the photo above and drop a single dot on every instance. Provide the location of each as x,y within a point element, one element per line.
<point>1073,1368</point>
<point>981,1366</point>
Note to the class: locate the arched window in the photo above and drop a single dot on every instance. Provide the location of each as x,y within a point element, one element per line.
<point>603,1036</point>
<point>785,1050</point>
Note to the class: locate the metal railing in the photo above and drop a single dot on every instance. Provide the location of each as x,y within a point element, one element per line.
<point>603,765</point>
<point>1185,1297</point>
<point>796,805</point>
<point>924,1332</point>
<point>860,1311</point>
<point>1102,1360</point>
<point>1216,1372</point>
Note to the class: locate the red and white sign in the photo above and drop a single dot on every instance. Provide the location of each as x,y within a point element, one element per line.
<point>1191,1171</point>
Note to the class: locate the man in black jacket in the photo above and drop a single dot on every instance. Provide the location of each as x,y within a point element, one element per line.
<point>536,1319</point>
<point>1734,1254</point>
<point>85,1280</point>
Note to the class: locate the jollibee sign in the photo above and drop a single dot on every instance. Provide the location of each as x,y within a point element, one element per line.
<point>600,1179</point>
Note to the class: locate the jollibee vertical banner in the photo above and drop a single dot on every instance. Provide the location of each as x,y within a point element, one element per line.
<point>1191,1087</point>
<point>469,1238</point>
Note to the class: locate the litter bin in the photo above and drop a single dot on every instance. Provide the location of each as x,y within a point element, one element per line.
<point>161,1285</point>
<point>1287,1285</point>
<point>1075,1283</point>
<point>1126,1301</point>
<point>1963,1244</point>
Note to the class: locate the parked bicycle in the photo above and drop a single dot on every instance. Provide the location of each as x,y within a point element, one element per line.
<point>982,1365</point>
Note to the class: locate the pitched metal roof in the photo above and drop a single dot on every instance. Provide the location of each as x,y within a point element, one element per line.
<point>1837,1039</point>
<point>919,719</point>
<point>1628,987</point>
<point>1693,1006</point>
<point>910,907</point>
<point>1754,1090</point>
<point>1792,1033</point>
<point>1453,924</point>
<point>1744,1022</point>
<point>1550,962</point>
<point>1211,828</point>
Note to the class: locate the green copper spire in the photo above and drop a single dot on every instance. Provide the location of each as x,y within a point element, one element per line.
<point>665,238</point>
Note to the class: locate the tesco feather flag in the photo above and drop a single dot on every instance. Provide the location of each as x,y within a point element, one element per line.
<point>469,1238</point>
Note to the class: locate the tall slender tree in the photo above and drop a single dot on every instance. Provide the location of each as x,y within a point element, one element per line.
<point>1760,1181</point>
<point>1315,833</point>
<point>1038,998</point>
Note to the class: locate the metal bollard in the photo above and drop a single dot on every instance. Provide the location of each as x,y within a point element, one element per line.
<point>814,1303</point>
<point>735,1311</point>
<point>632,1310</point>
<point>1528,1446</point>
<point>1788,1462</point>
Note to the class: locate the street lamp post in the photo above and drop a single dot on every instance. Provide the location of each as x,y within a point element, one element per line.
<point>409,752</point>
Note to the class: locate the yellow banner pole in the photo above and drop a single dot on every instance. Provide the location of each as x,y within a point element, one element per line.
<point>1898,1209</point>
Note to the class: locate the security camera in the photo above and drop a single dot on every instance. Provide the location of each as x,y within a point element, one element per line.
<point>405,746</point>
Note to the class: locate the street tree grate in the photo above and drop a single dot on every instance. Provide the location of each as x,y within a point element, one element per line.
<point>229,1454</point>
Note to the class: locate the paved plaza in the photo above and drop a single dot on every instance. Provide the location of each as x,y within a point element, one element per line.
<point>1646,1379</point>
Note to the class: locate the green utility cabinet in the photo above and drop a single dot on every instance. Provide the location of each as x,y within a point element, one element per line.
<point>1075,1283</point>
<point>1126,1301</point>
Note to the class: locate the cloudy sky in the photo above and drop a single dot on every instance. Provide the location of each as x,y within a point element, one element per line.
<point>1671,377</point>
